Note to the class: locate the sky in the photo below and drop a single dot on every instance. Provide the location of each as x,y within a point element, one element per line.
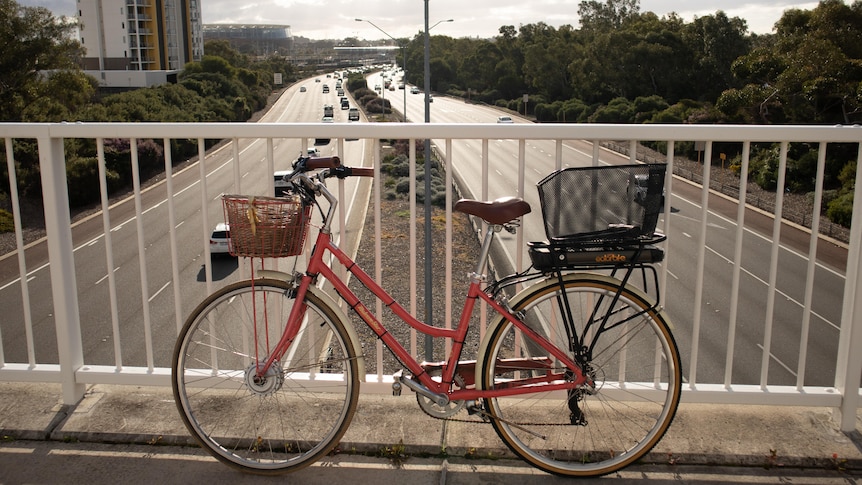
<point>336,19</point>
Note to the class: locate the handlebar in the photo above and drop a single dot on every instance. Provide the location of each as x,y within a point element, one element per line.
<point>309,187</point>
<point>331,166</point>
<point>317,163</point>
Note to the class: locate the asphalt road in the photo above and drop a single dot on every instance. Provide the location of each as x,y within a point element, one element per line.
<point>762,319</point>
<point>146,300</point>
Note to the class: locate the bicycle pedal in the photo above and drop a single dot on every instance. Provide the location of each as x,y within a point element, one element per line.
<point>396,382</point>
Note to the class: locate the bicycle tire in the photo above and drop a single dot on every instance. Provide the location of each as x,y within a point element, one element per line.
<point>292,417</point>
<point>636,367</point>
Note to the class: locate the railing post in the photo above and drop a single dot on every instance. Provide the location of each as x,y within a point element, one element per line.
<point>848,368</point>
<point>58,225</point>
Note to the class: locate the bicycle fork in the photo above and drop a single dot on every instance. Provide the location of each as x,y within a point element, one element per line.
<point>265,363</point>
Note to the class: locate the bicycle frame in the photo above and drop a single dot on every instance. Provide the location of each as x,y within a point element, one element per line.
<point>558,380</point>
<point>300,354</point>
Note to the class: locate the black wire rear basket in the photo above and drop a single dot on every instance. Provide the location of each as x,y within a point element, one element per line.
<point>604,206</point>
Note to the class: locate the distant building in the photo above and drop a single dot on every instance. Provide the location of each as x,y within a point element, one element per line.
<point>139,43</point>
<point>252,39</point>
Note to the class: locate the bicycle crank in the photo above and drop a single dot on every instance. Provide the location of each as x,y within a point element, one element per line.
<point>441,410</point>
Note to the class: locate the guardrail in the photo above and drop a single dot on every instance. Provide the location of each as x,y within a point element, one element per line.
<point>55,312</point>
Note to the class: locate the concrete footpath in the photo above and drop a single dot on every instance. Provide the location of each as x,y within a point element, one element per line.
<point>134,435</point>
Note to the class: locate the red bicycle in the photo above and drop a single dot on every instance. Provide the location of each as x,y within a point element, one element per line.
<point>578,372</point>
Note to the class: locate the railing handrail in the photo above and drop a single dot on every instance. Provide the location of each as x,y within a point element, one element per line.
<point>543,131</point>
<point>73,372</point>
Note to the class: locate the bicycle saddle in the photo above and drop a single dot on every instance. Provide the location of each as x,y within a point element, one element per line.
<point>499,211</point>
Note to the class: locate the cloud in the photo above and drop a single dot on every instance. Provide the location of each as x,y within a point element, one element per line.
<point>335,19</point>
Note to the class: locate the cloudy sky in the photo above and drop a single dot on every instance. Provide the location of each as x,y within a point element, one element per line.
<point>335,19</point>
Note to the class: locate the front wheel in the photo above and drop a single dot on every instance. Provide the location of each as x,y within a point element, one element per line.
<point>633,360</point>
<point>286,418</point>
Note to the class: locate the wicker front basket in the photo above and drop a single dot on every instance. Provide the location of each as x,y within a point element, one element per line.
<point>266,227</point>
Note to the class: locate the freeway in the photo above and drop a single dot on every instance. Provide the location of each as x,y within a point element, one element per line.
<point>150,296</point>
<point>508,176</point>
<point>146,300</point>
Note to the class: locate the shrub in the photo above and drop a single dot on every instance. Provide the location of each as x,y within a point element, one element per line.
<point>83,179</point>
<point>403,186</point>
<point>376,105</point>
<point>7,222</point>
<point>840,210</point>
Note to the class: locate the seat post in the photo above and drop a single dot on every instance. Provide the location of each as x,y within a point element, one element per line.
<point>485,250</point>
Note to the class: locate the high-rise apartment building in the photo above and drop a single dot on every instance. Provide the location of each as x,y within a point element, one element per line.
<point>137,43</point>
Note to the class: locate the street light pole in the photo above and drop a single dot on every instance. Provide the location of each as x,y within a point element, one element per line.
<point>429,342</point>
<point>429,303</point>
<point>403,66</point>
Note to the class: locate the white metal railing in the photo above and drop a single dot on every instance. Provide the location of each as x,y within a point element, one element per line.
<point>136,330</point>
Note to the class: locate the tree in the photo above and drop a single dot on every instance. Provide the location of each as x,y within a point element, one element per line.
<point>716,41</point>
<point>32,41</point>
<point>548,52</point>
<point>811,70</point>
<point>608,15</point>
<point>59,96</point>
<point>645,56</point>
<point>222,48</point>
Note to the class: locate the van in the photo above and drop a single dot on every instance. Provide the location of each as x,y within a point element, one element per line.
<point>353,114</point>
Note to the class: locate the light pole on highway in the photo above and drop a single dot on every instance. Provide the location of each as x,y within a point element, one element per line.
<point>428,67</point>
<point>403,67</point>
<point>429,341</point>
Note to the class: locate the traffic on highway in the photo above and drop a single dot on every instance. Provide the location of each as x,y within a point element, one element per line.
<point>152,299</point>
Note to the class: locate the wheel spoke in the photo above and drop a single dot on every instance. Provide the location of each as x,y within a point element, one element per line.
<point>282,420</point>
<point>632,359</point>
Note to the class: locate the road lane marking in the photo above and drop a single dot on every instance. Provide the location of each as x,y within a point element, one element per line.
<point>103,278</point>
<point>779,362</point>
<point>764,283</point>
<point>30,277</point>
<point>157,293</point>
<point>764,238</point>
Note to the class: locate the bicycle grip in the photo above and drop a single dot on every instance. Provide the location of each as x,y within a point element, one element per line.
<point>344,172</point>
<point>362,172</point>
<point>322,162</point>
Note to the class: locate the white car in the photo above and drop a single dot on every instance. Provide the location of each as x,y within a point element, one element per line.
<point>219,239</point>
<point>327,119</point>
<point>505,119</point>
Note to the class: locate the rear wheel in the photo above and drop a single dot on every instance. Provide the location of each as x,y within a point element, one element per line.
<point>285,419</point>
<point>634,363</point>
